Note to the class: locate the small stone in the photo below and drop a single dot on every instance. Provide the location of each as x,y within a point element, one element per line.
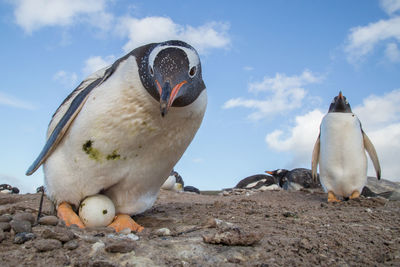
<point>47,245</point>
<point>21,226</point>
<point>5,226</point>
<point>21,238</point>
<point>225,193</point>
<point>162,232</point>
<point>290,214</point>
<point>58,233</point>
<point>5,218</point>
<point>119,246</point>
<point>233,237</point>
<point>24,217</point>
<point>71,245</point>
<point>48,220</point>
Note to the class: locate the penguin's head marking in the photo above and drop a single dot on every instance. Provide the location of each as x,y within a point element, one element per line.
<point>340,104</point>
<point>171,73</point>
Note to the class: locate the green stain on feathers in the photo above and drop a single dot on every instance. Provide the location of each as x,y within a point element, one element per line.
<point>113,156</point>
<point>91,151</point>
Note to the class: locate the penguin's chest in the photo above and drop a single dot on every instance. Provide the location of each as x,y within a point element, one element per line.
<point>342,156</point>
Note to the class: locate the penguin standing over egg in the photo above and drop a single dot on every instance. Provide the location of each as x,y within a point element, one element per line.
<point>122,131</point>
<point>340,152</point>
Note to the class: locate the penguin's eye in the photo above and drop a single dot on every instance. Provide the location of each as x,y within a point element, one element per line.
<point>151,71</point>
<point>192,71</point>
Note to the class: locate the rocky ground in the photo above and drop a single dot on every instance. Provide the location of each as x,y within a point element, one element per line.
<point>271,228</point>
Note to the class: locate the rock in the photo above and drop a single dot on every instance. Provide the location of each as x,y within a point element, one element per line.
<point>119,246</point>
<point>71,245</point>
<point>5,226</point>
<point>103,263</point>
<point>290,214</point>
<point>5,218</point>
<point>47,244</point>
<point>21,238</point>
<point>162,232</point>
<point>220,224</point>
<point>2,235</point>
<point>25,217</point>
<point>58,233</point>
<point>21,226</point>
<point>233,237</point>
<point>48,220</point>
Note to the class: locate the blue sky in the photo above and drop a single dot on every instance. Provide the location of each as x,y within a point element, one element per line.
<point>271,70</point>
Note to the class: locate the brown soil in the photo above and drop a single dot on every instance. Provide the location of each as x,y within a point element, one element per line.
<point>271,228</point>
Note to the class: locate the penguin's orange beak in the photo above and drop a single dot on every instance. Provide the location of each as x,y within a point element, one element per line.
<point>167,96</point>
<point>340,95</point>
<point>269,172</point>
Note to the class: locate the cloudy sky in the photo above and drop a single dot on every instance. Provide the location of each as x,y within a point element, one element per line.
<point>271,70</point>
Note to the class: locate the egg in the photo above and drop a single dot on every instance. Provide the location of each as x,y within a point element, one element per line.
<point>97,211</point>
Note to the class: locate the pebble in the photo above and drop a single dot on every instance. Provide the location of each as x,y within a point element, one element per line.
<point>58,233</point>
<point>48,220</point>
<point>119,246</point>
<point>71,245</point>
<point>2,236</point>
<point>24,217</point>
<point>5,226</point>
<point>21,226</point>
<point>47,244</point>
<point>21,238</point>
<point>5,218</point>
<point>162,232</point>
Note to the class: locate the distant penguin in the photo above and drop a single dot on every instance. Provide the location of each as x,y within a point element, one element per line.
<point>295,179</point>
<point>256,181</point>
<point>8,189</point>
<point>174,182</point>
<point>340,152</point>
<point>192,189</point>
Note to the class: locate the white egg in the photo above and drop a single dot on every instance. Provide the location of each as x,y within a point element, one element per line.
<point>97,210</point>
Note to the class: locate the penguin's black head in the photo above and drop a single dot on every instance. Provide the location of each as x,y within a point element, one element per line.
<point>279,175</point>
<point>170,72</point>
<point>340,104</point>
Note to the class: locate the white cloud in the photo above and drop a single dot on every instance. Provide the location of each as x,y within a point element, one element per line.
<point>380,118</point>
<point>68,79</point>
<point>96,63</point>
<point>248,68</point>
<point>34,14</point>
<point>10,101</point>
<point>392,52</point>
<point>390,6</point>
<point>156,29</point>
<point>363,39</point>
<point>285,93</point>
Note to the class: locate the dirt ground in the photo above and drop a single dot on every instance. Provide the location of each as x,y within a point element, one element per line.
<point>271,228</point>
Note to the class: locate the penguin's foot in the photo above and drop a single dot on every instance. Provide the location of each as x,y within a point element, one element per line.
<point>65,213</point>
<point>355,194</point>
<point>123,221</point>
<point>332,197</point>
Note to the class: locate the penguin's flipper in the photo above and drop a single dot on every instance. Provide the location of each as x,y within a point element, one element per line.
<point>372,154</point>
<point>76,100</point>
<point>315,159</point>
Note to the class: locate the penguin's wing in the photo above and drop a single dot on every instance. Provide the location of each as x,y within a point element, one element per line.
<point>315,159</point>
<point>372,154</point>
<point>67,112</point>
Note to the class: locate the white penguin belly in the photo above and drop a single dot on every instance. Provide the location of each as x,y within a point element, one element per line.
<point>343,162</point>
<point>120,144</point>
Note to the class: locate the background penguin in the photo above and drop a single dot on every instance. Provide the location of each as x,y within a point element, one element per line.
<point>295,179</point>
<point>122,131</point>
<point>8,189</point>
<point>340,152</point>
<point>174,182</point>
<point>256,181</point>
<point>192,189</point>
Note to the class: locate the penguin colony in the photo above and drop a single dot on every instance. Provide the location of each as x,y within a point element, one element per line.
<point>123,129</point>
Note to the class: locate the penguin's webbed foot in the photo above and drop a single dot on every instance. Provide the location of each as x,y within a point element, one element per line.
<point>355,194</point>
<point>332,197</point>
<point>123,221</point>
<point>65,213</point>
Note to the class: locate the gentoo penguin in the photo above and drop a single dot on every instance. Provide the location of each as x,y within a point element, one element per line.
<point>295,179</point>
<point>192,189</point>
<point>340,152</point>
<point>256,181</point>
<point>8,189</point>
<point>174,182</point>
<point>122,131</point>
